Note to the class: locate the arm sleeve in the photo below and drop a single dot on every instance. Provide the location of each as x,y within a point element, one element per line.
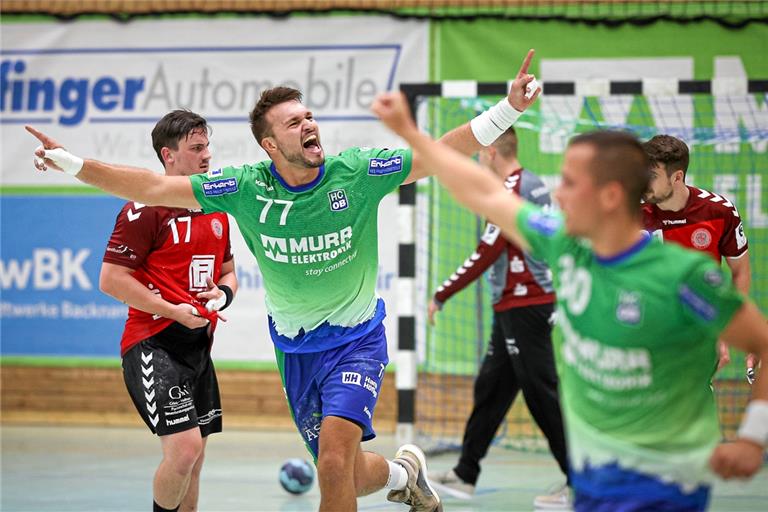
<point>228,250</point>
<point>219,190</point>
<point>733,243</point>
<point>708,299</point>
<point>383,170</point>
<point>489,249</point>
<point>533,190</point>
<point>133,237</point>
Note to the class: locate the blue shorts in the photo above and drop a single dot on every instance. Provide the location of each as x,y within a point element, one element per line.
<point>612,488</point>
<point>344,381</point>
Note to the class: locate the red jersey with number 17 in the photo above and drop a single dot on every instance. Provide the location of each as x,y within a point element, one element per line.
<point>708,222</point>
<point>172,252</point>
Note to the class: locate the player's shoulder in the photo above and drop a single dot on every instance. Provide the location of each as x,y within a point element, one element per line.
<point>531,184</point>
<point>134,210</point>
<point>648,209</point>
<point>675,258</point>
<point>249,169</point>
<point>376,161</point>
<point>709,204</point>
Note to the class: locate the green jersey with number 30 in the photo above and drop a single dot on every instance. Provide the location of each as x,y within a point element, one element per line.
<point>635,347</point>
<point>316,244</point>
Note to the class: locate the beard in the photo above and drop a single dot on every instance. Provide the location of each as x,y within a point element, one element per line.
<point>656,199</point>
<point>297,158</point>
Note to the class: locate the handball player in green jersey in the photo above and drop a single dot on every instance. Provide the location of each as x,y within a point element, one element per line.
<point>639,321</point>
<point>311,222</point>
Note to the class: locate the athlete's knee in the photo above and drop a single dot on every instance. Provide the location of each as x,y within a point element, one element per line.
<point>184,452</point>
<point>334,465</point>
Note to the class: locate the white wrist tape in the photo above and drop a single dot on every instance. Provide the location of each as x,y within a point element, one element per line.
<point>217,303</point>
<point>754,426</point>
<point>530,89</point>
<point>488,126</point>
<point>68,162</point>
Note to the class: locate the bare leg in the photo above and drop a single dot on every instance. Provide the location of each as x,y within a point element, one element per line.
<point>180,454</point>
<point>339,444</point>
<point>371,472</point>
<point>189,503</point>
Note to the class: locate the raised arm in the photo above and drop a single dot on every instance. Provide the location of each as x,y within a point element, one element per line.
<point>471,184</point>
<point>140,185</point>
<point>470,137</point>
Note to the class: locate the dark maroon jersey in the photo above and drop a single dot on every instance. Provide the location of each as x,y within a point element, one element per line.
<point>516,279</point>
<point>172,251</point>
<point>708,222</point>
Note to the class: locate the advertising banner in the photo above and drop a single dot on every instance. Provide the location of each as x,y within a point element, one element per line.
<point>99,87</point>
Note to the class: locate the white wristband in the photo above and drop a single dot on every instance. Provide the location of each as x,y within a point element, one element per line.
<point>488,126</point>
<point>754,426</point>
<point>68,162</point>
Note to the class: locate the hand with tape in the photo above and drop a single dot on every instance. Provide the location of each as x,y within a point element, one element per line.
<point>524,89</point>
<point>216,297</point>
<point>52,154</point>
<point>489,125</point>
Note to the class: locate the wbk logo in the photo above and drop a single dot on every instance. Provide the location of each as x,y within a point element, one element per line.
<point>338,200</point>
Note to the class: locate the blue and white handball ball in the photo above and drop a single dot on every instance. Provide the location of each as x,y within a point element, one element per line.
<point>296,476</point>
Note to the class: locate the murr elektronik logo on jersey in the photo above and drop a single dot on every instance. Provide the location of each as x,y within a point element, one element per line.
<point>338,200</point>
<point>307,249</point>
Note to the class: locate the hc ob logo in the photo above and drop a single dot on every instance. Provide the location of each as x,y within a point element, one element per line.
<point>338,200</point>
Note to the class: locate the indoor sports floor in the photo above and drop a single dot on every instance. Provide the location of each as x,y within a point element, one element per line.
<point>47,469</point>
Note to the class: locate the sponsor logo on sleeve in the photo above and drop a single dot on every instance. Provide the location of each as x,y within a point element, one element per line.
<point>220,187</point>
<point>491,234</point>
<point>741,238</point>
<point>545,223</point>
<point>713,278</point>
<point>384,166</point>
<point>696,303</point>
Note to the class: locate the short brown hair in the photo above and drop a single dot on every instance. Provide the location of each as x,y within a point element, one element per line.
<point>506,144</point>
<point>669,151</point>
<point>269,98</point>
<point>173,127</point>
<point>619,157</point>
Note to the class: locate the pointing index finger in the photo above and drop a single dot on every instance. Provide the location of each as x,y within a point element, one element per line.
<point>526,63</point>
<point>48,143</point>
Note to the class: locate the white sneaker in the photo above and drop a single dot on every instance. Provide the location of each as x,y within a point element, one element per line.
<point>418,493</point>
<point>559,498</point>
<point>448,482</point>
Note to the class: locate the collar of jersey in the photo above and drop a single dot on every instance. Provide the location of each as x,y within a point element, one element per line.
<point>300,188</point>
<point>627,253</point>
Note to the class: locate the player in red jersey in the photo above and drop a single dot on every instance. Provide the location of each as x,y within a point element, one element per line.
<point>694,217</point>
<point>175,270</point>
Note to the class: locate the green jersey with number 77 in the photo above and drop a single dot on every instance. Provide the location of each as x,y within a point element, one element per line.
<point>316,244</point>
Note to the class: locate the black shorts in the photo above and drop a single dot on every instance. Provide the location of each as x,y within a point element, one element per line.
<point>172,381</point>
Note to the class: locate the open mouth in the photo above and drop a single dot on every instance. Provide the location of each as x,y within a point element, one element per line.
<point>312,143</point>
